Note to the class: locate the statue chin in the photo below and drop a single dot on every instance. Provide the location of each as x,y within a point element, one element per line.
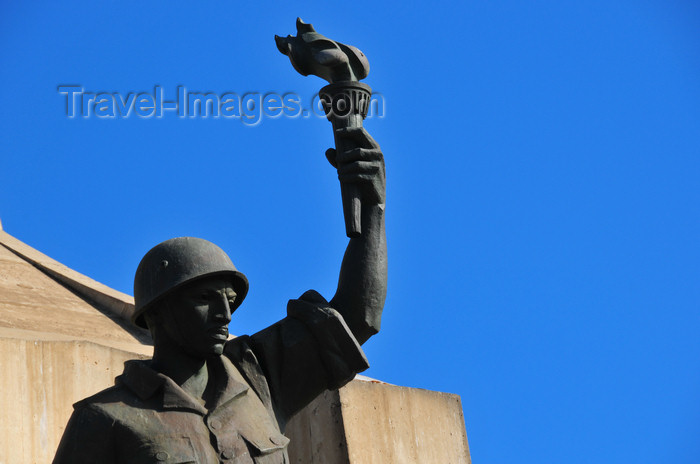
<point>218,350</point>
<point>215,350</point>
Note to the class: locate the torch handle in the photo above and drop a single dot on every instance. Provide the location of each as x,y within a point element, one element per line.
<point>346,105</point>
<point>352,206</point>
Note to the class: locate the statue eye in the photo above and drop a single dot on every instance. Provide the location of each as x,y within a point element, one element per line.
<point>204,296</point>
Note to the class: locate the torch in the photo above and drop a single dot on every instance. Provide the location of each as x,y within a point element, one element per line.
<point>345,99</point>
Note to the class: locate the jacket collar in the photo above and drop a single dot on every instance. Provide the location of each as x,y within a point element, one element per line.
<point>228,381</point>
<point>145,382</point>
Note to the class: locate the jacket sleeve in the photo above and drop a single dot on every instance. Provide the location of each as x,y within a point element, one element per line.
<point>306,353</point>
<point>88,439</point>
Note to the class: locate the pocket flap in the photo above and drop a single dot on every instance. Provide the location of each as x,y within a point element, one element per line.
<point>266,443</point>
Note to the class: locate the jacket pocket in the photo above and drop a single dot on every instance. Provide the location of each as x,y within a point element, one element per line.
<point>168,450</point>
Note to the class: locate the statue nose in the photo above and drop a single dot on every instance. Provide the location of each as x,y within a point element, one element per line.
<point>223,309</point>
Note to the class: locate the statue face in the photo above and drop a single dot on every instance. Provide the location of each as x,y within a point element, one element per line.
<point>196,317</point>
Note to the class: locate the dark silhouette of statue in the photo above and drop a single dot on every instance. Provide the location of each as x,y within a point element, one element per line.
<point>207,399</point>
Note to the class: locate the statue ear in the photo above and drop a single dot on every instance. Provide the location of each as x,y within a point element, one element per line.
<point>154,315</point>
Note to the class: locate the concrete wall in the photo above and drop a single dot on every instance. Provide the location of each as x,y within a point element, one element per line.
<point>370,422</point>
<point>63,337</point>
<point>40,381</point>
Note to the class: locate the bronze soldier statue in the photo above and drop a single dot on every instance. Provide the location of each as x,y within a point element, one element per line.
<point>204,398</point>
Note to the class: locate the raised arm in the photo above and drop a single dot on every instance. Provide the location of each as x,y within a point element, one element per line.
<point>363,274</point>
<point>362,283</point>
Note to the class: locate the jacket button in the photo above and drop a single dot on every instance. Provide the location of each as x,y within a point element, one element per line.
<point>227,454</point>
<point>161,456</point>
<point>215,424</point>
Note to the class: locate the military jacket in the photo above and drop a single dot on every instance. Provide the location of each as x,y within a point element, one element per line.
<point>260,382</point>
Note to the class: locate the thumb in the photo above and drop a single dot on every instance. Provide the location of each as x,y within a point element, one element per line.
<point>331,156</point>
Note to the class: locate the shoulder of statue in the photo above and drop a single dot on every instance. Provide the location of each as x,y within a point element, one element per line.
<point>236,348</point>
<point>112,394</point>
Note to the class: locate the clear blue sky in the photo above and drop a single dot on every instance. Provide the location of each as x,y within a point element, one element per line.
<point>543,160</point>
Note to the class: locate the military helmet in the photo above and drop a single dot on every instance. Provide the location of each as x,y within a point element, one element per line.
<point>175,262</point>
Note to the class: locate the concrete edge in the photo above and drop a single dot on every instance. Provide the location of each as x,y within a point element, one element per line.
<point>118,303</point>
<point>364,378</point>
<point>7,333</point>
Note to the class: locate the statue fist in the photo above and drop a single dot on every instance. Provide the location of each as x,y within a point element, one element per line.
<point>362,163</point>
